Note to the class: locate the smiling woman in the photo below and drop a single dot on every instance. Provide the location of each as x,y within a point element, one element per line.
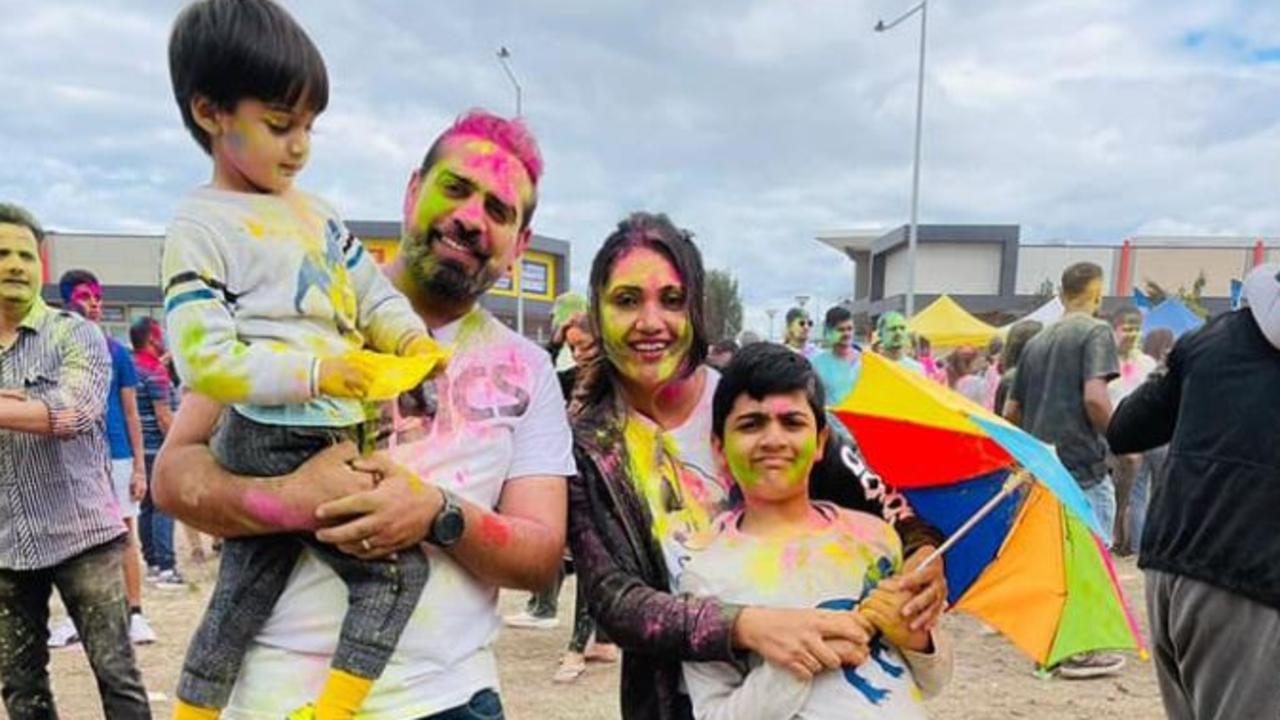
<point>648,483</point>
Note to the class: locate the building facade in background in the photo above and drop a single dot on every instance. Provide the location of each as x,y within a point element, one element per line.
<point>990,271</point>
<point>128,266</point>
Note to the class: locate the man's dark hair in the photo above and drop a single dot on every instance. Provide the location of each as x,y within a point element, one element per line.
<point>72,279</point>
<point>761,370</point>
<point>11,214</point>
<point>794,314</point>
<point>230,50</point>
<point>836,315</point>
<point>1124,313</point>
<point>140,332</point>
<point>1076,278</point>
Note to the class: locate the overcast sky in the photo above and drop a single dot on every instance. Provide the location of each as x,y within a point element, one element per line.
<point>755,123</point>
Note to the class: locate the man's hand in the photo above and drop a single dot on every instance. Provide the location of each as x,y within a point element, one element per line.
<point>927,586</point>
<point>393,516</point>
<point>138,482</point>
<point>326,476</point>
<point>804,642</point>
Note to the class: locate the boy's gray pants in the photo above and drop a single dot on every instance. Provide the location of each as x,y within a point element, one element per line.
<point>1217,654</point>
<point>252,574</point>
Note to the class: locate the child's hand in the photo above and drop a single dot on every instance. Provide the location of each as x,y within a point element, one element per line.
<point>425,347</point>
<point>883,608</point>
<point>349,375</point>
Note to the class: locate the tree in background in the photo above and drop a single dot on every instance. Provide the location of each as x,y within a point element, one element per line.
<point>1191,298</point>
<point>722,307</point>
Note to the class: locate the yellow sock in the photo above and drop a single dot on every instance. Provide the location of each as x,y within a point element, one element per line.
<point>183,711</point>
<point>342,695</point>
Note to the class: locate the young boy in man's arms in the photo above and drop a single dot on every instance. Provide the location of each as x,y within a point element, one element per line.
<point>784,550</point>
<point>270,302</point>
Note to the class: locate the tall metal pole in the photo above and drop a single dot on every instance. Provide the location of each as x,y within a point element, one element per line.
<point>913,229</point>
<point>504,56</point>
<point>914,234</point>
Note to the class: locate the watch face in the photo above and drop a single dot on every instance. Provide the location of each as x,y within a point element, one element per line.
<point>448,527</point>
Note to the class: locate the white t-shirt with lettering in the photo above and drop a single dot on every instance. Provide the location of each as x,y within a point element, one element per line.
<point>498,416</point>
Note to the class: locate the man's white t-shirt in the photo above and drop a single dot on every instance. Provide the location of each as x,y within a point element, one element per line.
<point>498,416</point>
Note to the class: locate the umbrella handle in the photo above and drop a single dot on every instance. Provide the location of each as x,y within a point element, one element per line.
<point>1012,483</point>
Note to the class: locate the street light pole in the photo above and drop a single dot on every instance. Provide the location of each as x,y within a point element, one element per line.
<point>504,55</point>
<point>913,229</point>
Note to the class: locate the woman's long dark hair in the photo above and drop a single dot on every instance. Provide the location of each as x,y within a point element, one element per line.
<point>596,386</point>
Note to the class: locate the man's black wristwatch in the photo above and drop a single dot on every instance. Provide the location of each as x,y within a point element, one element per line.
<point>449,523</point>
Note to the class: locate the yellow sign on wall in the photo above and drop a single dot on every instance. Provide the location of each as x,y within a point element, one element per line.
<point>538,278</point>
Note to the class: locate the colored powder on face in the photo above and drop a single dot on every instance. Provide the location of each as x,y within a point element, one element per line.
<point>738,452</point>
<point>651,273</point>
<point>495,530</point>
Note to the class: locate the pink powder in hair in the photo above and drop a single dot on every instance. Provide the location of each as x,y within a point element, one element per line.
<point>510,135</point>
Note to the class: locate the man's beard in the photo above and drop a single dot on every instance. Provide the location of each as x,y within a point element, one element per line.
<point>446,279</point>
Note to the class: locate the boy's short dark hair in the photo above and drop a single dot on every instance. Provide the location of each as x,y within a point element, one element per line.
<point>229,50</point>
<point>72,279</point>
<point>761,370</point>
<point>836,315</point>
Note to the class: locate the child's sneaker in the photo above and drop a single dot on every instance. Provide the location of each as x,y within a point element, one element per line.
<point>140,632</point>
<point>170,580</point>
<point>63,634</point>
<point>153,572</point>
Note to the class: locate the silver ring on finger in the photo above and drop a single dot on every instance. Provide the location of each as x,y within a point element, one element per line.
<point>364,543</point>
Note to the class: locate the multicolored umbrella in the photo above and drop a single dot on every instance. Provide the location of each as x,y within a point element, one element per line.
<point>1025,557</point>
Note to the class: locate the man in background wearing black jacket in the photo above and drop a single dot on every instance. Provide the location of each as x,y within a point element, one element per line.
<point>1211,546</point>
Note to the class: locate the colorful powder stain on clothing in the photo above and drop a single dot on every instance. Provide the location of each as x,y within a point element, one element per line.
<point>209,378</point>
<point>676,500</point>
<point>841,542</point>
